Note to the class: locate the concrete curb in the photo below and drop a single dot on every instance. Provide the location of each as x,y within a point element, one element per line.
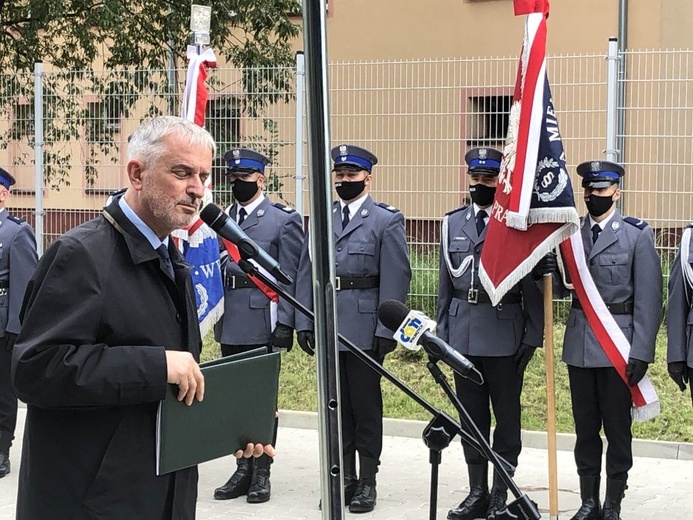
<point>530,439</point>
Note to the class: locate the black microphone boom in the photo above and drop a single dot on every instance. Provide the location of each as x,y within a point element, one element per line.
<point>225,227</point>
<point>392,314</point>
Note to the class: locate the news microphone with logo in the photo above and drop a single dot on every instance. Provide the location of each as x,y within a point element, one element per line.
<point>226,227</point>
<point>412,327</point>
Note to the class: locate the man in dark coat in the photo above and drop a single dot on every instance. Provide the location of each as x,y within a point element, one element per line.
<point>17,263</point>
<point>500,341</point>
<point>109,319</point>
<point>372,265</point>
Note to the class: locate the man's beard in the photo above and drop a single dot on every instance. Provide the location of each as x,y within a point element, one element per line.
<point>163,208</point>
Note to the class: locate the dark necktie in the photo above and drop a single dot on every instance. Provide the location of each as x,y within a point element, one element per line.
<point>345,217</point>
<point>596,229</point>
<point>242,213</point>
<point>163,253</point>
<point>480,224</point>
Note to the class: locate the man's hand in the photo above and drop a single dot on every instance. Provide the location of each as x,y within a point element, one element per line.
<point>383,346</point>
<point>306,340</point>
<point>547,265</point>
<point>255,450</point>
<point>678,371</point>
<point>282,337</point>
<point>183,370</point>
<point>635,371</point>
<point>523,356</point>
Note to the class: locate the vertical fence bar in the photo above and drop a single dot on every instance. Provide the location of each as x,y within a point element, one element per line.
<point>300,102</point>
<point>38,153</point>
<point>612,152</point>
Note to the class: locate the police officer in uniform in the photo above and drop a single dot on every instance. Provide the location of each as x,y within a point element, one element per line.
<point>250,319</point>
<point>622,260</point>
<point>18,260</point>
<point>680,313</point>
<point>499,341</point>
<point>372,265</point>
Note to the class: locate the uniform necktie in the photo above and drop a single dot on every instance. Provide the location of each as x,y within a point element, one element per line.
<point>480,223</point>
<point>242,213</point>
<point>596,229</point>
<point>163,253</point>
<point>345,217</point>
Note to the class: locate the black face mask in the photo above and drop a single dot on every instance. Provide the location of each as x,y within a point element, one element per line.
<point>482,195</point>
<point>243,191</point>
<point>350,190</point>
<point>597,205</point>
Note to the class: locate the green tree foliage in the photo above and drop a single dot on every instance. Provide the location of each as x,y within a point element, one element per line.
<point>134,42</point>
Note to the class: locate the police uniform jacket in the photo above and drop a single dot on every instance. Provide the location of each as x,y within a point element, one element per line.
<point>481,329</point>
<point>90,364</point>
<point>373,244</point>
<point>246,321</point>
<point>680,311</point>
<point>625,267</point>
<point>18,260</point>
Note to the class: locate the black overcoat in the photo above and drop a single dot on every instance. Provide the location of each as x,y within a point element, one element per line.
<point>98,314</point>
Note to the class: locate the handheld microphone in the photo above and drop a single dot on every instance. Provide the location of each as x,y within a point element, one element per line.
<point>225,227</point>
<point>413,327</point>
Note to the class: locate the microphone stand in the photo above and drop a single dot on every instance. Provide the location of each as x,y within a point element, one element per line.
<point>441,429</point>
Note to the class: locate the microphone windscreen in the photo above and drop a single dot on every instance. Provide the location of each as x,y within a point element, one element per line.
<point>392,313</point>
<point>209,215</point>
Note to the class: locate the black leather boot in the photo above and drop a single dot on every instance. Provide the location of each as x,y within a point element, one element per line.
<point>260,488</point>
<point>477,502</point>
<point>5,443</point>
<point>589,494</point>
<point>615,491</point>
<point>4,463</point>
<point>365,495</point>
<point>350,478</point>
<point>239,483</point>
<point>499,496</point>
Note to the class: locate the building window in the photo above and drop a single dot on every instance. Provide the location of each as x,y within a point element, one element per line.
<point>487,119</point>
<point>23,121</point>
<point>101,148</point>
<point>223,121</point>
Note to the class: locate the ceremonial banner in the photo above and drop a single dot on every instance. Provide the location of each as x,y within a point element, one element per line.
<point>199,243</point>
<point>534,209</point>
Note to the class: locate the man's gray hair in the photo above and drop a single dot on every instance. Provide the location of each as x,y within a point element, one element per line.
<point>144,143</point>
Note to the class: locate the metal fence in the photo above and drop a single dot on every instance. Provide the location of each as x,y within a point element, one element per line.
<point>419,117</point>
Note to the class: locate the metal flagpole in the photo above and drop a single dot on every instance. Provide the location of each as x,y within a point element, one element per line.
<point>322,254</point>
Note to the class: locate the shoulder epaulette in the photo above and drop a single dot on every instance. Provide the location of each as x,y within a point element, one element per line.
<point>16,219</point>
<point>461,208</point>
<point>386,206</point>
<point>285,208</point>
<point>638,223</point>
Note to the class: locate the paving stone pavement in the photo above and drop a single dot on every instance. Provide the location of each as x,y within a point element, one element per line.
<point>658,488</point>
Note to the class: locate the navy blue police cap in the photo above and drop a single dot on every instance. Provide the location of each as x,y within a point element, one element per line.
<point>352,157</point>
<point>599,174</point>
<point>484,161</point>
<point>243,160</point>
<point>6,179</point>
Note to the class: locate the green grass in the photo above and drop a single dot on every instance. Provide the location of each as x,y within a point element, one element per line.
<point>298,391</point>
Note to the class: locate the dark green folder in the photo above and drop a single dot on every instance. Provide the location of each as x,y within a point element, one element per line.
<point>239,407</point>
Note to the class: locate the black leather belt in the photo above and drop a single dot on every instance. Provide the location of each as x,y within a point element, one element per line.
<point>239,282</point>
<point>614,308</point>
<point>4,284</point>
<point>344,283</point>
<point>476,296</point>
